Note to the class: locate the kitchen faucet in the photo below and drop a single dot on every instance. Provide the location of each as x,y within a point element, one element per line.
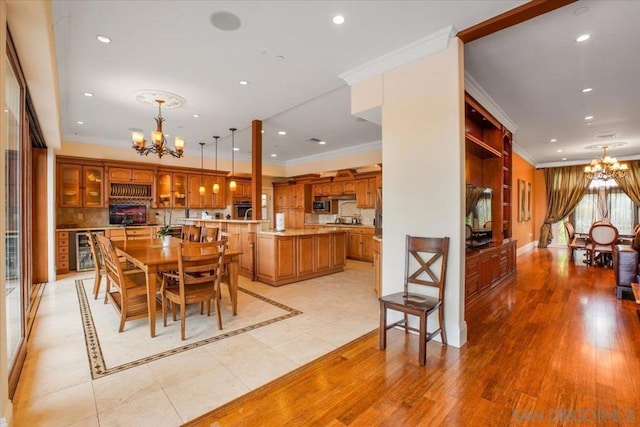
<point>247,213</point>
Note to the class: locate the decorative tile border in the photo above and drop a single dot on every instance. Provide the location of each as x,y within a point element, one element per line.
<point>94,351</point>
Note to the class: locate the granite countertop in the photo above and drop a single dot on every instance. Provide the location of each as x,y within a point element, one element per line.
<point>303,232</point>
<point>331,224</point>
<point>241,221</point>
<point>69,227</point>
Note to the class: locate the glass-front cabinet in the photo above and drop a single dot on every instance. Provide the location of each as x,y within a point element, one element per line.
<point>80,186</point>
<point>172,190</point>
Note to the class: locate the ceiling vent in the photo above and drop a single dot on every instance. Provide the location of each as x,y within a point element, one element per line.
<point>606,136</point>
<point>313,140</point>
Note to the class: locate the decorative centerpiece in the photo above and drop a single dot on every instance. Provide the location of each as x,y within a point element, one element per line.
<point>164,233</point>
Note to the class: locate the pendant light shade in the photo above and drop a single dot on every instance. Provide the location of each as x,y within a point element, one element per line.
<point>232,183</point>
<point>216,187</point>
<point>201,190</point>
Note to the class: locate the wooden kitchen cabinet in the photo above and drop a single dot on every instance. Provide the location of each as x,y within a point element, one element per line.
<point>62,252</point>
<point>366,193</point>
<point>80,186</point>
<point>360,244</point>
<point>489,267</point>
<point>133,176</point>
<point>195,200</point>
<point>172,189</point>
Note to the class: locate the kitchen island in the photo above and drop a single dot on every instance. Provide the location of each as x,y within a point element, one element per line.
<point>294,255</point>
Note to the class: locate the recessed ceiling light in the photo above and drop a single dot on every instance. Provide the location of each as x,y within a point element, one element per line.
<point>280,58</point>
<point>322,142</point>
<point>589,118</point>
<point>274,155</point>
<point>167,135</point>
<point>583,38</point>
<point>196,115</point>
<point>80,123</point>
<point>589,123</point>
<point>564,158</point>
<point>338,19</point>
<point>587,89</point>
<point>103,39</point>
<point>559,151</point>
<point>243,82</point>
<point>553,140</point>
<point>236,149</point>
<point>88,94</point>
<point>281,132</point>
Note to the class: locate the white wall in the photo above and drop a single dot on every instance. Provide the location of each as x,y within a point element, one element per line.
<point>423,158</point>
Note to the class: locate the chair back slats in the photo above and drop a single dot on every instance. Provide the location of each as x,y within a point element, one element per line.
<point>191,233</point>
<point>571,232</point>
<point>200,263</point>
<point>210,234</point>
<point>427,252</point>
<point>112,266</point>
<point>93,245</point>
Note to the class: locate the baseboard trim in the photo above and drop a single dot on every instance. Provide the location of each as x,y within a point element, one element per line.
<point>527,247</point>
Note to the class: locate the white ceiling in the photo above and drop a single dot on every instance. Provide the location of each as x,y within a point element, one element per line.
<point>172,46</point>
<point>534,71</point>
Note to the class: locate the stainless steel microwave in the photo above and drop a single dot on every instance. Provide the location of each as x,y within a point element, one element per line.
<point>323,206</point>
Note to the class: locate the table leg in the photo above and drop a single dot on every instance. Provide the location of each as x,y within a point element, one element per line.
<point>152,286</point>
<point>233,286</point>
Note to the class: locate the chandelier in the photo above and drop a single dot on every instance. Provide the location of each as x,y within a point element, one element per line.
<point>605,168</point>
<point>159,142</point>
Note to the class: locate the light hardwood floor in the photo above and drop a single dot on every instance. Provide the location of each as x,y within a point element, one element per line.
<point>555,347</point>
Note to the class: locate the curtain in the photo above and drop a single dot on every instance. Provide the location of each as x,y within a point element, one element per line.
<point>630,183</point>
<point>473,195</point>
<point>565,187</point>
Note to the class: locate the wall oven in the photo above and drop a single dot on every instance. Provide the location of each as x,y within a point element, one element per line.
<point>242,208</point>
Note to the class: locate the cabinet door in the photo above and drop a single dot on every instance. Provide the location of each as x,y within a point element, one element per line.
<point>195,200</point>
<point>354,249</point>
<point>119,175</point>
<point>300,190</point>
<point>305,254</point>
<point>93,186</point>
<point>180,188</point>
<point>349,187</point>
<point>362,190</point>
<point>367,247</point>
<point>140,176</point>
<point>338,249</point>
<point>165,181</point>
<point>326,189</point>
<point>322,251</point>
<point>291,196</point>
<point>337,188</point>
<point>69,183</point>
<point>219,199</point>
<point>316,190</point>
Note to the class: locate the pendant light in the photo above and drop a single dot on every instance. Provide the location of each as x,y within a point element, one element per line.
<point>216,187</point>
<point>201,190</point>
<point>232,183</point>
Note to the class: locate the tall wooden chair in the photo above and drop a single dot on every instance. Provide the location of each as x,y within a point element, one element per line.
<point>427,252</point>
<point>199,270</point>
<point>574,242</point>
<point>127,268</point>
<point>602,239</point>
<point>136,233</point>
<point>210,234</point>
<point>129,295</point>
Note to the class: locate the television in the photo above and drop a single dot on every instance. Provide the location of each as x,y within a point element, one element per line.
<point>121,214</point>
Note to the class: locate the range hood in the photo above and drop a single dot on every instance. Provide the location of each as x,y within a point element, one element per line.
<point>343,197</point>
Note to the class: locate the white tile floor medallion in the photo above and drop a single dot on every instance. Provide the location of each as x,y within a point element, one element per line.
<point>110,352</point>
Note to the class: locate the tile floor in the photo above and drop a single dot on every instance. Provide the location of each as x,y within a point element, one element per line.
<point>56,388</point>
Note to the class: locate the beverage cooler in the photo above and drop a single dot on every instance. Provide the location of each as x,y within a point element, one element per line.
<point>84,258</point>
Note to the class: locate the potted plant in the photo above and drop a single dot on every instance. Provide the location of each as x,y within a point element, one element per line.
<point>165,230</point>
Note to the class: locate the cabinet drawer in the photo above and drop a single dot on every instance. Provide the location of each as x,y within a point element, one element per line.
<point>63,249</point>
<point>63,258</point>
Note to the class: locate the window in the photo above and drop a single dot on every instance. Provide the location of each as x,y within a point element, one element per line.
<point>605,200</point>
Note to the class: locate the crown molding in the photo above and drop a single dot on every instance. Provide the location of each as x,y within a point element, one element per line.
<point>525,156</point>
<point>418,49</point>
<point>473,88</point>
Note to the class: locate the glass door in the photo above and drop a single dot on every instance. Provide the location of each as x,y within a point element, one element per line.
<point>13,202</point>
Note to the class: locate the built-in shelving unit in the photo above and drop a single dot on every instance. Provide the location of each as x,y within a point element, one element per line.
<point>488,146</point>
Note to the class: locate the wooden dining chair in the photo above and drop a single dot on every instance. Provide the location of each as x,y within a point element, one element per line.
<point>574,242</point>
<point>137,233</point>
<point>426,252</point>
<point>199,270</point>
<point>602,239</point>
<point>126,292</point>
<point>210,234</point>
<point>99,270</point>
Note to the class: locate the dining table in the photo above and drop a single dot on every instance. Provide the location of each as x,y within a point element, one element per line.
<point>151,256</point>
